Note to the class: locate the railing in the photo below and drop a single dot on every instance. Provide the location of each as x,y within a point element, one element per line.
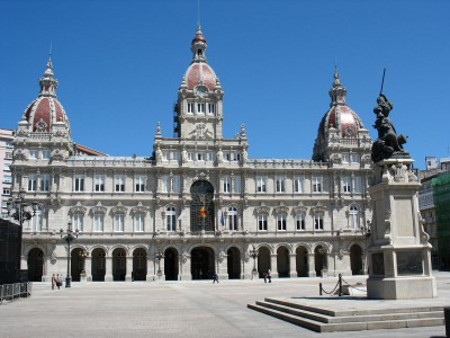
<point>14,291</point>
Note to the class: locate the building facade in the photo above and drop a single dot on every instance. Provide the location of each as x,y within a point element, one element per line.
<point>199,204</point>
<point>6,152</point>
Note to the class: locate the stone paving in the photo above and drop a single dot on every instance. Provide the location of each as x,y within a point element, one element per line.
<point>175,309</point>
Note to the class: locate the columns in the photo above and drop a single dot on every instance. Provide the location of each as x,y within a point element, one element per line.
<point>273,266</point>
<point>311,265</point>
<point>292,265</point>
<point>88,268</point>
<point>129,269</point>
<point>222,266</point>
<point>150,277</point>
<point>185,267</point>
<point>108,269</point>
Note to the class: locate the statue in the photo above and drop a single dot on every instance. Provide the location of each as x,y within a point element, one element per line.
<point>158,154</point>
<point>388,143</point>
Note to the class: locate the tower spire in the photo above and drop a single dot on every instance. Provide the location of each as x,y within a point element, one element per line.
<point>198,45</point>
<point>47,82</point>
<point>337,92</point>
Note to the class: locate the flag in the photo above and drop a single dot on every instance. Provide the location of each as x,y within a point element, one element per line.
<point>202,211</point>
<point>222,219</point>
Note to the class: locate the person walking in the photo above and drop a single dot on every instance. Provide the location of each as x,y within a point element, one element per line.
<point>215,278</point>
<point>269,277</point>
<point>58,281</point>
<point>53,281</point>
<point>265,277</point>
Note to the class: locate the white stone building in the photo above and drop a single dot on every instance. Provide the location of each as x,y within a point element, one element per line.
<point>199,205</point>
<point>6,150</point>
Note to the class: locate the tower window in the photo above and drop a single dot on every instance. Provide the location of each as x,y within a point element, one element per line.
<point>211,108</point>
<point>199,51</point>
<point>201,107</point>
<point>190,108</point>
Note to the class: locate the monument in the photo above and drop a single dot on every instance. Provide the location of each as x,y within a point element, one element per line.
<point>399,253</point>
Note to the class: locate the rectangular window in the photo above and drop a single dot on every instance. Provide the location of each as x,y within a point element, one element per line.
<point>7,191</point>
<point>232,221</point>
<point>345,158</point>
<point>33,154</point>
<point>212,108</point>
<point>357,184</point>
<point>201,107</point>
<point>176,184</point>
<point>300,222</point>
<point>191,156</point>
<point>119,222</point>
<point>298,184</point>
<point>98,222</point>
<point>78,183</point>
<point>139,223</point>
<point>317,184</point>
<point>201,156</point>
<point>38,221</point>
<point>119,182</point>
<point>8,155</point>
<point>6,167</point>
<point>171,221</point>
<point>237,184</point>
<point>45,154</point>
<point>355,158</point>
<point>32,183</point>
<point>44,184</point>
<point>281,222</point>
<point>346,184</point>
<point>190,108</point>
<point>99,183</point>
<point>260,184</point>
<point>318,222</point>
<point>280,184</point>
<point>77,222</point>
<point>262,222</point>
<point>227,156</point>
<point>139,183</point>
<point>165,183</point>
<point>226,184</point>
<point>7,179</point>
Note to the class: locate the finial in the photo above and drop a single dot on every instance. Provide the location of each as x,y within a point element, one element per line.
<point>243,131</point>
<point>199,27</point>
<point>158,130</point>
<point>49,62</point>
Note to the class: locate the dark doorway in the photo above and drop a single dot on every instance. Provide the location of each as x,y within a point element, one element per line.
<point>283,262</point>
<point>202,263</point>
<point>302,262</point>
<point>35,265</point>
<point>202,206</point>
<point>171,264</point>
<point>263,261</point>
<point>139,265</point>
<point>119,265</point>
<point>356,260</point>
<point>98,265</point>
<point>76,264</point>
<point>320,260</point>
<point>234,263</point>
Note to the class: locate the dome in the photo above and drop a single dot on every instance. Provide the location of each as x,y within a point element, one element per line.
<point>200,74</point>
<point>45,111</point>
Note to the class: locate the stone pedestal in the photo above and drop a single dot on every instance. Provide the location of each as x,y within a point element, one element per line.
<point>399,254</point>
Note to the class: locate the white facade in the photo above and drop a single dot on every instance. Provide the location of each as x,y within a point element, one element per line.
<point>199,205</point>
<point>6,151</point>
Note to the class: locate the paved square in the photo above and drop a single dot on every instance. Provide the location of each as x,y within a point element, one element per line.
<point>174,309</point>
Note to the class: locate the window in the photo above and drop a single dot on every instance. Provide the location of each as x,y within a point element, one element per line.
<point>354,217</point>
<point>77,222</point>
<point>357,184</point>
<point>7,179</point>
<point>98,222</point>
<point>176,184</point>
<point>119,222</point>
<point>190,108</point>
<point>260,184</point>
<point>318,221</point>
<point>281,222</point>
<point>345,157</point>
<point>139,222</point>
<point>7,191</point>
<point>262,222</point>
<point>355,158</point>
<point>6,167</point>
<point>78,183</point>
<point>201,107</point>
<point>165,183</point>
<point>171,219</point>
<point>33,154</point>
<point>211,108</point>
<point>139,183</point>
<point>346,184</point>
<point>300,222</point>
<point>201,156</point>
<point>298,184</point>
<point>280,186</point>
<point>45,154</point>
<point>8,155</point>
<point>191,156</point>
<point>99,183</point>
<point>317,184</point>
<point>119,183</point>
<point>38,219</point>
<point>32,183</point>
<point>44,182</point>
<point>232,218</point>
<point>237,184</point>
<point>226,184</point>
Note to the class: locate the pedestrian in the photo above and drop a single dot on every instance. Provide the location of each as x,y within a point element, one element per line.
<point>53,281</point>
<point>269,277</point>
<point>265,277</point>
<point>58,281</point>
<point>215,278</point>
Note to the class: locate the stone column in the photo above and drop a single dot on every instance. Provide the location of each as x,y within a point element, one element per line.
<point>150,277</point>
<point>311,265</point>
<point>246,266</point>
<point>292,265</point>
<point>108,269</point>
<point>185,267</point>
<point>222,266</point>
<point>273,266</point>
<point>129,269</point>
<point>88,268</point>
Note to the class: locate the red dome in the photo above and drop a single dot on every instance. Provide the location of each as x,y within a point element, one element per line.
<point>198,73</point>
<point>43,112</point>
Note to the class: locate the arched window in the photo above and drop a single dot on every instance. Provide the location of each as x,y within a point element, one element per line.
<point>171,219</point>
<point>354,217</point>
<point>232,218</point>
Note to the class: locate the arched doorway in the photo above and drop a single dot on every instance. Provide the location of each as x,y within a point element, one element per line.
<point>202,206</point>
<point>302,262</point>
<point>234,263</point>
<point>119,264</point>
<point>283,262</point>
<point>356,259</point>
<point>35,265</point>
<point>76,264</point>
<point>202,263</point>
<point>320,260</point>
<point>139,264</point>
<point>98,265</point>
<point>263,260</point>
<point>171,264</point>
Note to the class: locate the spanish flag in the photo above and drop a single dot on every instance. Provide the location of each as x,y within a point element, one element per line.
<point>202,212</point>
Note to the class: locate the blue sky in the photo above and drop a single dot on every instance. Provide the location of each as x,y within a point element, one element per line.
<point>120,63</point>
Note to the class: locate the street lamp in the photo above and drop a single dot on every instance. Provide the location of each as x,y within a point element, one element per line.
<point>159,255</point>
<point>18,210</point>
<point>69,236</point>
<point>254,254</point>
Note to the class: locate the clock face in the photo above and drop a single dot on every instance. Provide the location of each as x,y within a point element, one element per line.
<point>201,91</point>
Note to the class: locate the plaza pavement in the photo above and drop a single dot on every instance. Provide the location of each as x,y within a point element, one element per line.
<point>176,309</point>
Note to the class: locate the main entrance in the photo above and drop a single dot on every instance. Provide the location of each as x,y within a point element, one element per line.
<point>35,265</point>
<point>202,263</point>
<point>77,264</point>
<point>171,264</point>
<point>202,206</point>
<point>119,264</point>
<point>98,265</point>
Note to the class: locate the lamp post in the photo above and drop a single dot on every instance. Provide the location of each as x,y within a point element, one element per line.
<point>18,209</point>
<point>69,236</point>
<point>159,255</point>
<point>254,254</point>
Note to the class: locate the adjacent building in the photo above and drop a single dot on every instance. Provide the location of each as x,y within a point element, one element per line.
<point>6,152</point>
<point>199,204</point>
